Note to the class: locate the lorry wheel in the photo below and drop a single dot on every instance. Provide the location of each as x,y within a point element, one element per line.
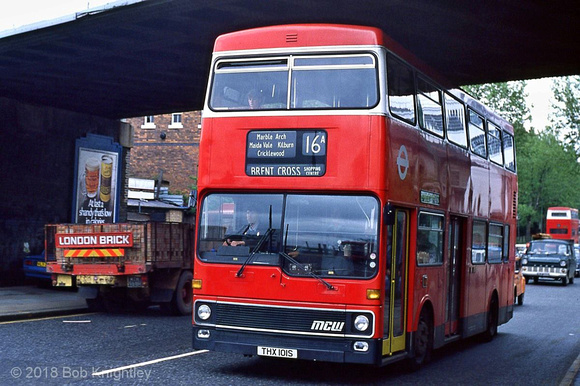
<point>182,301</point>
<point>113,305</point>
<point>565,281</point>
<point>96,304</point>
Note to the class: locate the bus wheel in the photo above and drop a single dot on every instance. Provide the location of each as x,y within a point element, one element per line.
<point>182,301</point>
<point>422,341</point>
<point>492,321</point>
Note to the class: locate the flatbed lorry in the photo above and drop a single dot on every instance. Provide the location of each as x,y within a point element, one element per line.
<point>124,265</point>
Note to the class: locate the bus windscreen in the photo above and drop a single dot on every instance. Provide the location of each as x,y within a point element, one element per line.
<point>326,235</point>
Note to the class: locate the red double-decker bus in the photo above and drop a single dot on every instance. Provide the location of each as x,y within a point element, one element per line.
<point>562,223</point>
<point>351,207</point>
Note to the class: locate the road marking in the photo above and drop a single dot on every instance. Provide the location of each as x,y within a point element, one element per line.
<point>46,318</point>
<point>187,354</point>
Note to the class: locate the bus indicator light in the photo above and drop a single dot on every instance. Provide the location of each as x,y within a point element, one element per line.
<point>373,294</point>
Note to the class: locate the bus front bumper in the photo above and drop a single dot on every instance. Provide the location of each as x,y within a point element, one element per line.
<point>342,350</point>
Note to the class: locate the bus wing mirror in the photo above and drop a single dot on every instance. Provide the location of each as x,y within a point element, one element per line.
<point>389,215</point>
<point>192,198</point>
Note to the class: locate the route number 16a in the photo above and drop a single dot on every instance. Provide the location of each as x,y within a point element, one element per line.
<point>314,143</point>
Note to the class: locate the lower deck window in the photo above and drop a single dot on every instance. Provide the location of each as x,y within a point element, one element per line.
<point>430,239</point>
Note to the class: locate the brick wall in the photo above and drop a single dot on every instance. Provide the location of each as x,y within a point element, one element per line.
<point>161,145</point>
<point>37,173</point>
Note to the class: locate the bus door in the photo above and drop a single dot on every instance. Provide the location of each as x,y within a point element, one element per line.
<point>395,309</point>
<point>454,276</point>
<point>475,282</point>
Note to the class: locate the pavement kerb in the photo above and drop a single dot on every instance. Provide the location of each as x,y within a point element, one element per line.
<point>41,314</point>
<point>571,376</point>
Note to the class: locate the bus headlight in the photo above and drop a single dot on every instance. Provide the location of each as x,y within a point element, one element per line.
<point>361,323</point>
<point>204,312</point>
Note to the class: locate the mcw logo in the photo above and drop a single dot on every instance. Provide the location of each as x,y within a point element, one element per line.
<point>322,325</point>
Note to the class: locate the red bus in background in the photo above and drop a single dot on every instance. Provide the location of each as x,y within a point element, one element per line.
<point>351,207</point>
<point>562,223</point>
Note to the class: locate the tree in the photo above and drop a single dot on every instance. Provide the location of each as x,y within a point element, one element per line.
<point>566,117</point>
<point>508,99</point>
<point>548,175</point>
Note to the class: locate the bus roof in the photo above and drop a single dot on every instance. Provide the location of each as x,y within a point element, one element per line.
<point>562,208</point>
<point>328,35</point>
<point>318,35</point>
<point>299,35</point>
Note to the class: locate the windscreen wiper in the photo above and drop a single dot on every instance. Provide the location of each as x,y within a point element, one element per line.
<point>255,250</point>
<point>309,272</point>
<point>258,245</point>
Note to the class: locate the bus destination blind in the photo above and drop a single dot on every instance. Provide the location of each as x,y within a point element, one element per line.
<point>286,153</point>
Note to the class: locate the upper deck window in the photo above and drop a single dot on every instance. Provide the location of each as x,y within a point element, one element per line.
<point>494,143</point>
<point>401,89</point>
<point>295,82</point>
<point>455,121</point>
<point>250,84</point>
<point>477,134</point>
<point>509,151</point>
<point>430,107</point>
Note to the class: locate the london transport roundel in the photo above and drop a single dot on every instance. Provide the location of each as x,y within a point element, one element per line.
<point>402,162</point>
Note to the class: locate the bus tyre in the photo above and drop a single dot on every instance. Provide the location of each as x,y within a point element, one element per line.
<point>492,321</point>
<point>182,301</point>
<point>422,342</point>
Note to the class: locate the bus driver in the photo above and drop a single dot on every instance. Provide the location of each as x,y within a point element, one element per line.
<point>252,230</point>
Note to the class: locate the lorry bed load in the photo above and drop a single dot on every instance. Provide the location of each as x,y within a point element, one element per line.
<point>124,263</point>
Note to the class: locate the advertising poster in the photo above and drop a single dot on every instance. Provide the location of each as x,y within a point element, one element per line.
<point>96,186</point>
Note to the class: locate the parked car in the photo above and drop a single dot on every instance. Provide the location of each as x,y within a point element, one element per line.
<point>520,249</point>
<point>34,267</point>
<point>577,254</point>
<point>549,259</point>
<point>519,282</point>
